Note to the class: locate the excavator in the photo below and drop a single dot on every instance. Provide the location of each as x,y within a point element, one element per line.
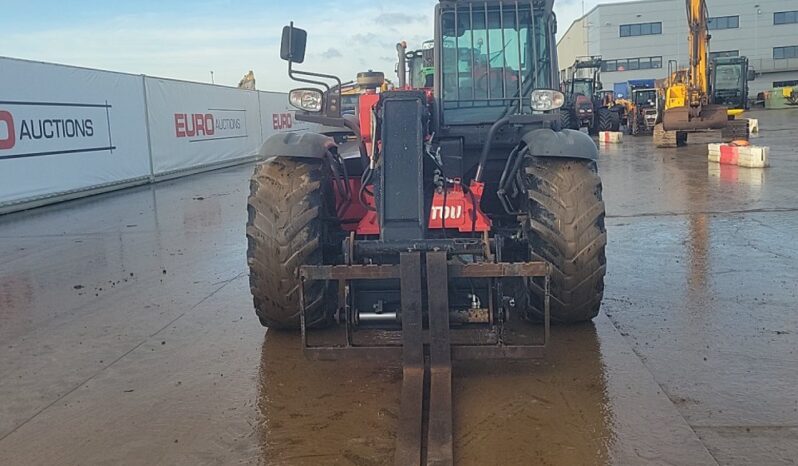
<point>688,99</point>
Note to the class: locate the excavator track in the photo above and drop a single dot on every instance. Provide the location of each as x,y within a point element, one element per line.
<point>668,139</point>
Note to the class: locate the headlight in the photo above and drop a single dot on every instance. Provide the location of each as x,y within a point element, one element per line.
<point>546,99</point>
<point>309,100</point>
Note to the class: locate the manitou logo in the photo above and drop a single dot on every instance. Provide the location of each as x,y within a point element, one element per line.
<point>282,121</point>
<point>211,125</point>
<point>448,213</point>
<point>32,129</point>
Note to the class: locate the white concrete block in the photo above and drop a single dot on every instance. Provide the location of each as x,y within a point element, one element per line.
<point>742,156</point>
<point>611,137</point>
<point>753,126</point>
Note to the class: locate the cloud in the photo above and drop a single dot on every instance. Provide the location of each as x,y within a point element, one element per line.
<point>174,44</point>
<point>368,37</point>
<point>398,19</point>
<point>332,53</point>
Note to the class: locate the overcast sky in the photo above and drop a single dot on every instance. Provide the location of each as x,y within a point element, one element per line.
<point>189,39</point>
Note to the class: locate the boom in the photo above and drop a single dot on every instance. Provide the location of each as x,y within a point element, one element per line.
<point>699,42</point>
<point>688,103</point>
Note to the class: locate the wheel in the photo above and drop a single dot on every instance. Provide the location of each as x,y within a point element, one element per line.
<point>565,227</point>
<point>604,119</point>
<point>634,124</point>
<point>566,119</point>
<point>284,231</point>
<point>615,117</point>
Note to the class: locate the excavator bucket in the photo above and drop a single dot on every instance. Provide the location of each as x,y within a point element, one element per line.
<point>679,119</point>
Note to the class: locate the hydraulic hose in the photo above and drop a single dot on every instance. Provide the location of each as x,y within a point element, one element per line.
<point>483,158</point>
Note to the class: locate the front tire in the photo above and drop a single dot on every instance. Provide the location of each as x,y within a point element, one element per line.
<point>606,122</point>
<point>566,119</point>
<point>284,231</point>
<point>565,227</point>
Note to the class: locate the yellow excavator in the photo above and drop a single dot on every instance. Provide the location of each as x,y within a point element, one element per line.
<point>688,100</point>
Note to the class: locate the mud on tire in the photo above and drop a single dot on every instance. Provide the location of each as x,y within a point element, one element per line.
<point>566,229</point>
<point>284,231</point>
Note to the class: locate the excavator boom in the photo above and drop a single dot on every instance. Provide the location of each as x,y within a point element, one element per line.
<point>688,103</point>
<point>698,40</point>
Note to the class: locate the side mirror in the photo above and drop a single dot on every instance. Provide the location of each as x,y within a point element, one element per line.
<point>599,86</point>
<point>751,75</point>
<point>292,46</point>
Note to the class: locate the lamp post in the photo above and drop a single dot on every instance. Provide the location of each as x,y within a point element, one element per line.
<point>757,12</point>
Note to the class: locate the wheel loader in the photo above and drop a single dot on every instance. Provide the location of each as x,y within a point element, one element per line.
<point>462,214</point>
<point>642,107</point>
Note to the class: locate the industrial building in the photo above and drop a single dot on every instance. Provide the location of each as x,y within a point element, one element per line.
<point>638,39</point>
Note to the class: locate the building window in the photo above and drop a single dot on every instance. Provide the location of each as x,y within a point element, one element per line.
<point>641,29</point>
<point>724,54</point>
<point>781,53</point>
<point>724,22</point>
<point>792,83</point>
<point>630,64</point>
<point>785,17</point>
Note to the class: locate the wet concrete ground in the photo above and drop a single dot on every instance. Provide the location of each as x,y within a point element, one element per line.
<point>128,336</point>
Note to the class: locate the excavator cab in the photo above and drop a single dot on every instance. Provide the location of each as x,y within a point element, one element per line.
<point>730,76</point>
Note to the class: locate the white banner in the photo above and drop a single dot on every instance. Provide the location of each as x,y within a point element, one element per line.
<point>278,115</point>
<point>33,129</point>
<point>64,129</point>
<point>67,130</point>
<point>193,124</point>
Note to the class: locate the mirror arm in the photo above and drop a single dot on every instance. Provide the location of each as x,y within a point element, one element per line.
<point>292,73</point>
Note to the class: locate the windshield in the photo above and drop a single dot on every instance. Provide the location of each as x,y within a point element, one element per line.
<point>645,97</point>
<point>728,77</point>
<point>492,57</point>
<point>583,87</point>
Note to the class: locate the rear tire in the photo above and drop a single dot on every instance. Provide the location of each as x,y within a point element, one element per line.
<point>566,119</point>
<point>634,124</point>
<point>284,231</point>
<point>615,118</point>
<point>605,120</point>
<point>565,228</point>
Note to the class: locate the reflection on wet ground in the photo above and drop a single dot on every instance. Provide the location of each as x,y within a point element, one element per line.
<point>128,337</point>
